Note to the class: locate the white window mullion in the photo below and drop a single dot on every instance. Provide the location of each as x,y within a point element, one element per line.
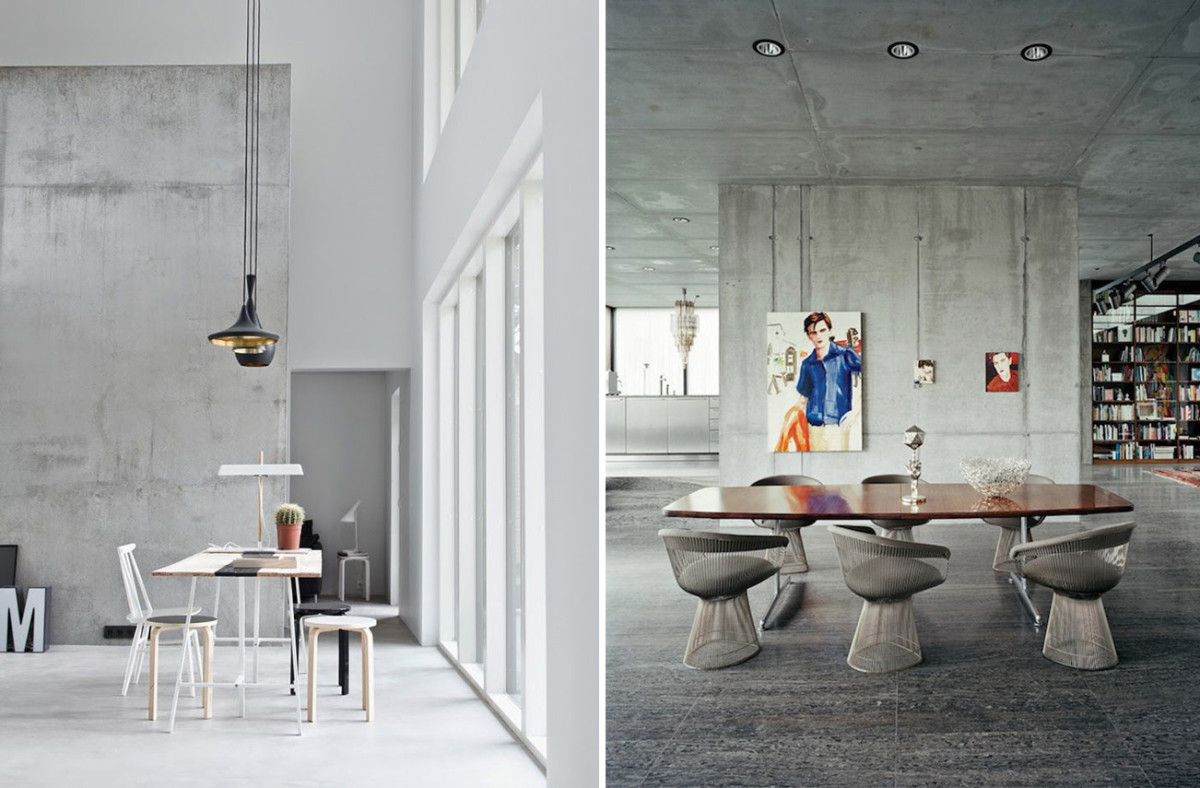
<point>466,471</point>
<point>534,494</point>
<point>494,440</point>
<point>446,478</point>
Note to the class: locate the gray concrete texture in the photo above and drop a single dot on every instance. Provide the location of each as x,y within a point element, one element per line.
<point>942,272</point>
<point>690,105</point>
<point>120,249</point>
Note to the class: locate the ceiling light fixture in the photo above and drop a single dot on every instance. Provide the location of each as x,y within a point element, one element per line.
<point>648,268</point>
<point>252,345</point>
<point>768,48</point>
<point>611,248</point>
<point>714,248</point>
<point>680,219</point>
<point>1036,52</point>
<point>903,50</point>
<point>683,329</point>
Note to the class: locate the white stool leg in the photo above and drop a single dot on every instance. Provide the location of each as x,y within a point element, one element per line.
<point>152,705</point>
<point>368,669</point>
<point>367,579</point>
<point>312,673</point>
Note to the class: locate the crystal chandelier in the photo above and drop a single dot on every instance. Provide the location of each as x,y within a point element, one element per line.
<point>683,326</point>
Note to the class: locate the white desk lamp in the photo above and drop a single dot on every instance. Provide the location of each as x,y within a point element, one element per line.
<point>352,517</point>
<point>261,470</point>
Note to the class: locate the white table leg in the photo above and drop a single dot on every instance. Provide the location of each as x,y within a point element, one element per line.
<point>183,654</point>
<point>291,618</point>
<point>242,645</point>
<point>257,608</point>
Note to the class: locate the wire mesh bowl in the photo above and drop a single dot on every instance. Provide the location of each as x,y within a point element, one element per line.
<point>995,476</point>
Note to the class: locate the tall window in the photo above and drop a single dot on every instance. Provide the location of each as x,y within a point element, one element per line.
<point>512,260</point>
<point>647,362</point>
<point>491,516</point>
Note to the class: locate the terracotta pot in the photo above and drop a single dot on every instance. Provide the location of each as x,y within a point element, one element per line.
<point>288,536</point>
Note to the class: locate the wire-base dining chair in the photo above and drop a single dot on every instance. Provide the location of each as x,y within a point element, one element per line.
<point>719,568</point>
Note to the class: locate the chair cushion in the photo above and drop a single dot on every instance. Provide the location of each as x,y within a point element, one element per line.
<point>724,575</point>
<point>892,577</point>
<point>177,621</point>
<point>1073,573</point>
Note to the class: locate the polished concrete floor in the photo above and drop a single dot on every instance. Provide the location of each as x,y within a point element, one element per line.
<point>63,722</point>
<point>985,707</point>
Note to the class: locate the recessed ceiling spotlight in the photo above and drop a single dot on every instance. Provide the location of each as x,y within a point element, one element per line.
<point>611,248</point>
<point>680,219</point>
<point>903,50</point>
<point>714,248</point>
<point>768,48</point>
<point>1035,52</point>
<point>647,268</point>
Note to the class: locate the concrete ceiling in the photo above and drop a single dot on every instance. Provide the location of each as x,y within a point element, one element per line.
<point>1115,111</point>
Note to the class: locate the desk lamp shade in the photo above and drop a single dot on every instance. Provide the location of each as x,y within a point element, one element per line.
<point>261,470</point>
<point>352,517</point>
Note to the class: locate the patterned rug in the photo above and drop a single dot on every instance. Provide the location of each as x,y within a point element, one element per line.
<point>1179,475</point>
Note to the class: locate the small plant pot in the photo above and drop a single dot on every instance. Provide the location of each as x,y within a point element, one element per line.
<point>288,536</point>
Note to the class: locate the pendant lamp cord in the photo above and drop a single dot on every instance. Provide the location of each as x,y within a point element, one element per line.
<point>246,162</point>
<point>257,93</point>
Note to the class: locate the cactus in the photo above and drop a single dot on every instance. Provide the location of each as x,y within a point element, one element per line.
<point>289,514</point>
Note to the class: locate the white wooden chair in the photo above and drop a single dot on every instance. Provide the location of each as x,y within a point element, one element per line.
<point>150,622</point>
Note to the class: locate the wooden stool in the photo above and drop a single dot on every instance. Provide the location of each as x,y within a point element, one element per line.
<point>160,624</point>
<point>315,625</point>
<point>344,557</point>
<point>305,609</point>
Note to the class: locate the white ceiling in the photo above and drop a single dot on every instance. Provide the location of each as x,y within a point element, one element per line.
<point>1115,111</point>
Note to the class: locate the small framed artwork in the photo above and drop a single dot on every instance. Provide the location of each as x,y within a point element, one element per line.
<point>923,372</point>
<point>1147,411</point>
<point>1002,371</point>
<point>1195,373</point>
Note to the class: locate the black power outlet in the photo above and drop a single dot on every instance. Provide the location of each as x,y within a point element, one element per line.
<point>118,632</point>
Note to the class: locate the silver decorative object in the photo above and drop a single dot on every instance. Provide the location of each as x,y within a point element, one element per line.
<point>913,438</point>
<point>995,476</point>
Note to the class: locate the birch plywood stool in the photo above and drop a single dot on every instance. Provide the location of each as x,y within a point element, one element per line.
<point>315,625</point>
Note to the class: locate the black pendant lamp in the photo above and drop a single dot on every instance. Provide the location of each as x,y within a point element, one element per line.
<point>252,345</point>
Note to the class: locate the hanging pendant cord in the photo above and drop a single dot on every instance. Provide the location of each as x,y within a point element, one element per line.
<point>246,163</point>
<point>257,93</point>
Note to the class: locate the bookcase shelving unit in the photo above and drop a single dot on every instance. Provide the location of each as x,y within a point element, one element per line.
<point>1146,380</point>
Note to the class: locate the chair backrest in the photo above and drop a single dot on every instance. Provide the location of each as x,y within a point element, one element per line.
<point>1032,478</point>
<point>786,480</point>
<point>720,558</point>
<point>890,478</point>
<point>135,589</point>
<point>8,564</point>
<point>1111,542</point>
<point>857,545</point>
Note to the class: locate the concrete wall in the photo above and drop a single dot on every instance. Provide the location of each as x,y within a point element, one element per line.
<point>941,272</point>
<point>120,250</point>
<point>532,81</point>
<point>352,135</point>
<point>341,435</point>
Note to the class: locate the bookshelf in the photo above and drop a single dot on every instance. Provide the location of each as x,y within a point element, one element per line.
<point>1146,380</point>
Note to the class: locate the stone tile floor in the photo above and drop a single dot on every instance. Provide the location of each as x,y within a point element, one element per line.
<point>985,707</point>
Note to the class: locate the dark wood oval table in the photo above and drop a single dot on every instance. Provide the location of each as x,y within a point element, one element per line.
<point>882,501</point>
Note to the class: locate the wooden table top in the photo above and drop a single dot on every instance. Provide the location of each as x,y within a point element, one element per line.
<point>278,563</point>
<point>882,501</point>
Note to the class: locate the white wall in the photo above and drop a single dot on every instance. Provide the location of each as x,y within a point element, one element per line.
<point>352,128</point>
<point>534,78</point>
<point>341,435</point>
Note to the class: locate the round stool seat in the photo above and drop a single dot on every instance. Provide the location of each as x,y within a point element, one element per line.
<point>322,608</point>
<point>339,622</point>
<point>177,620</point>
